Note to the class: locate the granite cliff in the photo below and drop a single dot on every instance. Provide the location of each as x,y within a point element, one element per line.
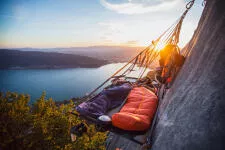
<point>192,114</point>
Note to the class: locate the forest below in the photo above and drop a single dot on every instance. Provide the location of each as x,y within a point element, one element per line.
<point>42,125</point>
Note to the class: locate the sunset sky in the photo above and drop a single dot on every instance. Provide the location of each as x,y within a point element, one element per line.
<point>72,23</point>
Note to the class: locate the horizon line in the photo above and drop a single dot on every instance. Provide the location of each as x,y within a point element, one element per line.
<point>73,47</point>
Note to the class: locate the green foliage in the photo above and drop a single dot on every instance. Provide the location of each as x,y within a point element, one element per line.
<point>42,125</point>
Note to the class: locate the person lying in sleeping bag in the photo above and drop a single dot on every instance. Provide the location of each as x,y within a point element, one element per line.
<point>109,98</point>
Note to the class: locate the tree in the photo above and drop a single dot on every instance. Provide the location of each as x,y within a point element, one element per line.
<point>42,125</point>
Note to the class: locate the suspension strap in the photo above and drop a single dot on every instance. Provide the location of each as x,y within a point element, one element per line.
<point>176,34</point>
<point>176,40</point>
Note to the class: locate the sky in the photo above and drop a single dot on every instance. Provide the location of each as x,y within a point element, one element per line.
<point>81,23</point>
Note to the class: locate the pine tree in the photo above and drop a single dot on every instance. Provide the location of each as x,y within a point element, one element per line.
<point>42,125</point>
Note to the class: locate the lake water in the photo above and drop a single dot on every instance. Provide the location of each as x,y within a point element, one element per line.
<point>60,84</point>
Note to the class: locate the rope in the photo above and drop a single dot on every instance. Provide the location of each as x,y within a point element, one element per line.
<point>174,39</point>
<point>171,35</point>
<point>176,35</point>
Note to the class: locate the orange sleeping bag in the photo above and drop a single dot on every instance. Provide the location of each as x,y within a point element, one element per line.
<point>138,111</point>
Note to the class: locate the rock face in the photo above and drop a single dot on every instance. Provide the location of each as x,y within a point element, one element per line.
<point>192,114</point>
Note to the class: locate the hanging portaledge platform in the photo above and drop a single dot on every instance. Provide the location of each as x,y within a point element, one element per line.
<point>106,108</point>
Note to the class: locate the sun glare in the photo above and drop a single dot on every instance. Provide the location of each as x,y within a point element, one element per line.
<point>159,46</point>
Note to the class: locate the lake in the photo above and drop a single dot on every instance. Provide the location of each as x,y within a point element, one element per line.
<point>60,84</point>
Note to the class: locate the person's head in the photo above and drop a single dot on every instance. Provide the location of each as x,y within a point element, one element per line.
<point>168,49</point>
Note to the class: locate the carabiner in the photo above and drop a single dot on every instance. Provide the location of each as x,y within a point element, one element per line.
<point>190,4</point>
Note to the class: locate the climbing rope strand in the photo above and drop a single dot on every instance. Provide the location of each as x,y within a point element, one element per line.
<point>169,34</point>
<point>147,65</point>
<point>118,71</point>
<point>176,34</point>
<point>188,7</point>
<point>174,39</point>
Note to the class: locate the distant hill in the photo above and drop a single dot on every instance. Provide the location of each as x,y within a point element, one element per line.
<point>15,59</point>
<point>109,53</point>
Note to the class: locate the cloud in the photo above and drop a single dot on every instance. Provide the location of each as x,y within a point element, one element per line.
<point>141,6</point>
<point>112,26</point>
<point>133,42</point>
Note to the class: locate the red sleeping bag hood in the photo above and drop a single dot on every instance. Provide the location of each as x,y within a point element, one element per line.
<point>138,111</point>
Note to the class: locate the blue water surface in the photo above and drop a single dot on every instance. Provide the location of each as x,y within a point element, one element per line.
<point>59,84</point>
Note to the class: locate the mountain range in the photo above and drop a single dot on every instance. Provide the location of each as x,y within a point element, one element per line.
<point>16,59</point>
<point>109,53</point>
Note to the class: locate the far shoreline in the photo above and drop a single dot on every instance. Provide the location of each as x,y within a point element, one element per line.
<point>60,67</point>
<point>55,67</point>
